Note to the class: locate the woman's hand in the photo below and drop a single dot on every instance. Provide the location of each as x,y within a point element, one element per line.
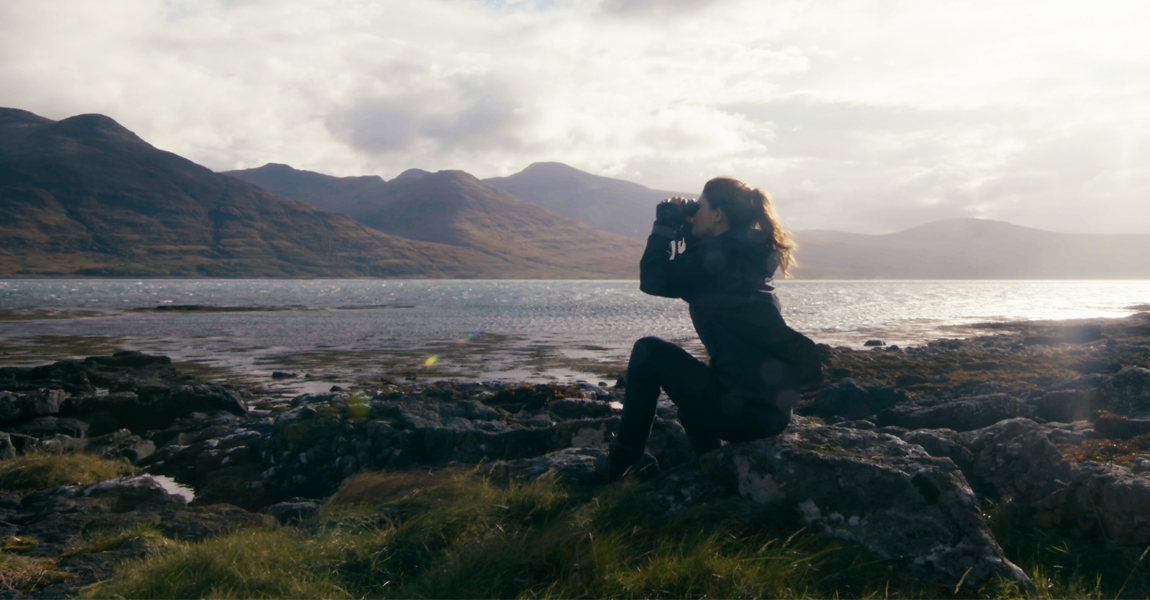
<point>670,211</point>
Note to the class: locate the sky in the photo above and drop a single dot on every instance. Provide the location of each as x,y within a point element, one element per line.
<point>869,116</point>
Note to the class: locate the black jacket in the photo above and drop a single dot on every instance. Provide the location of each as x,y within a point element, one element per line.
<point>726,281</point>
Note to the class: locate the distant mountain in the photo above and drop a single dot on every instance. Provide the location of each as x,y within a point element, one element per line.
<point>85,196</point>
<point>609,204</point>
<point>348,195</point>
<point>455,208</point>
<point>972,249</point>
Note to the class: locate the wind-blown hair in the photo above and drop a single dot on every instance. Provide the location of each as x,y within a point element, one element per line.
<point>743,206</point>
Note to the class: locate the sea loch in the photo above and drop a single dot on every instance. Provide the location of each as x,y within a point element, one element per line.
<point>497,329</point>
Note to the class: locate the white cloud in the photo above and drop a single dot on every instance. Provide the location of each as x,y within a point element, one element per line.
<point>859,115</point>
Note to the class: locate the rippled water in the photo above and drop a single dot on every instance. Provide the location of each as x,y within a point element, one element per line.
<point>602,317</point>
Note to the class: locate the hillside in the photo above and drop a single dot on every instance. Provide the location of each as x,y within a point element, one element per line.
<point>972,249</point>
<point>85,196</point>
<point>455,208</point>
<point>613,205</point>
<point>348,195</point>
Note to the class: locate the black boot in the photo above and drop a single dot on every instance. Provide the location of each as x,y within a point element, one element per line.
<point>623,461</point>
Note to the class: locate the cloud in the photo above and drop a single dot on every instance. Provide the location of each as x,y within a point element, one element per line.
<point>648,8</point>
<point>469,114</point>
<point>866,116</point>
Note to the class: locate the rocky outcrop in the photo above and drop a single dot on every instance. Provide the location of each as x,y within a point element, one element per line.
<point>850,400</point>
<point>902,502</point>
<point>102,394</point>
<point>902,470</point>
<point>58,519</point>
<point>964,414</point>
<point>327,437</point>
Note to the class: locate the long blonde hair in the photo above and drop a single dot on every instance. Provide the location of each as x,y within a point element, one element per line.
<point>745,205</point>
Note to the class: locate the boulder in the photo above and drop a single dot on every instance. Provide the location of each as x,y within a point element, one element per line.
<point>43,427</point>
<point>7,449</point>
<point>144,406</point>
<point>328,437</point>
<point>964,414</point>
<point>1067,406</point>
<point>1015,461</point>
<point>851,400</point>
<point>130,493</point>
<point>1119,427</point>
<point>294,510</point>
<point>121,444</point>
<point>1116,497</point>
<point>903,503</point>
<point>579,408</point>
<point>571,466</point>
<point>1127,392</point>
<point>941,443</point>
<point>38,403</point>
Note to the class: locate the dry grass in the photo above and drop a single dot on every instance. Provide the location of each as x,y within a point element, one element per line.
<point>453,534</point>
<point>40,471</point>
<point>27,575</point>
<point>102,541</point>
<point>1121,452</point>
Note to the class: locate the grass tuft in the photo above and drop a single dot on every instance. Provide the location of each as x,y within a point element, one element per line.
<point>455,534</point>
<point>252,563</point>
<point>102,541</point>
<point>26,575</point>
<point>36,471</point>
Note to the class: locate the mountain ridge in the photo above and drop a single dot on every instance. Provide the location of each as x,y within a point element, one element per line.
<point>85,196</point>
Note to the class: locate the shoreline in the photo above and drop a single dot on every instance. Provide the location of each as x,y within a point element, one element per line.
<point>1050,420</point>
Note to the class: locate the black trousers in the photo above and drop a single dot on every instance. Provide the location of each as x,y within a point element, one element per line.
<point>708,411</point>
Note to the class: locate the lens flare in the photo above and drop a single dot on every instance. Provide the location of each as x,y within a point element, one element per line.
<point>431,360</point>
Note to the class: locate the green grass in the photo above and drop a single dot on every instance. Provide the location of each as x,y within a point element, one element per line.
<point>452,534</point>
<point>40,471</point>
<point>1066,566</point>
<point>104,540</point>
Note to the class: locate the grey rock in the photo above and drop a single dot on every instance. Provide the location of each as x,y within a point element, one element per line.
<point>7,449</point>
<point>42,402</point>
<point>572,466</point>
<point>122,444</point>
<point>1127,392</point>
<point>1117,497</point>
<point>1067,406</point>
<point>1085,382</point>
<point>941,443</point>
<point>51,444</point>
<point>859,424</point>
<point>1070,433</point>
<point>680,488</point>
<point>579,408</point>
<point>965,414</point>
<point>155,406</point>
<point>43,427</point>
<point>60,492</point>
<point>130,493</point>
<point>294,510</point>
<point>1116,426</point>
<point>903,503</point>
<point>852,400</point>
<point>1015,461</point>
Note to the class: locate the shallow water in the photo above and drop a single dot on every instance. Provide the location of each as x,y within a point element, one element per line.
<point>499,329</point>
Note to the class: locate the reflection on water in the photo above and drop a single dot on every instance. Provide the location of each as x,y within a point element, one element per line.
<point>448,318</point>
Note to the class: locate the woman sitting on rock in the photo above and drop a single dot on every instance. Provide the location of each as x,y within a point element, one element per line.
<point>734,244</point>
